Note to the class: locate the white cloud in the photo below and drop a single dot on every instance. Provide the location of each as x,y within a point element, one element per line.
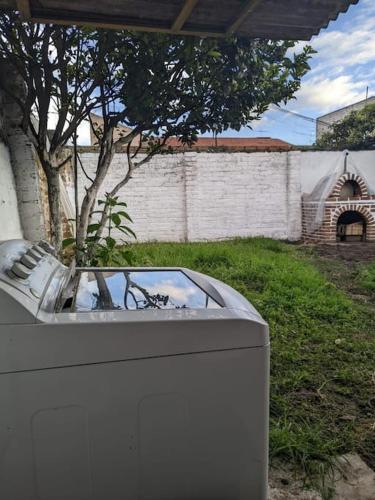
<point>260,125</point>
<point>342,48</point>
<point>176,293</point>
<point>344,65</point>
<point>327,93</point>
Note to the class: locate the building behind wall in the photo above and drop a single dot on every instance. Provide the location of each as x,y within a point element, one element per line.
<point>323,122</point>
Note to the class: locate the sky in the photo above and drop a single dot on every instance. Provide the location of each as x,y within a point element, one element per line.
<point>340,73</point>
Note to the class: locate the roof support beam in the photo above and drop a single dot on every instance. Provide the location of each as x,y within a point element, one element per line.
<point>24,9</point>
<point>102,22</point>
<point>245,12</point>
<point>184,14</point>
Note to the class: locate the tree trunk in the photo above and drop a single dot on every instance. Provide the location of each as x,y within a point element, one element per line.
<point>84,218</point>
<point>115,190</point>
<point>53,182</point>
<point>89,199</point>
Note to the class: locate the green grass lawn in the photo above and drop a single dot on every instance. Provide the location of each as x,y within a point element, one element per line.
<point>323,346</point>
<point>367,278</point>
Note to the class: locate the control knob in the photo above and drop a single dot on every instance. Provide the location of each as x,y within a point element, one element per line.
<point>40,250</point>
<point>20,270</point>
<point>28,261</point>
<point>46,246</point>
<point>34,254</point>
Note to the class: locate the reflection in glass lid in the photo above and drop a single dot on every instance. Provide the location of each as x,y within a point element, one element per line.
<point>125,290</point>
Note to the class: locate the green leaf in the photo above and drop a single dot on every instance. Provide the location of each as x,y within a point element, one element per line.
<point>111,243</point>
<point>125,215</point>
<point>128,256</point>
<point>116,219</point>
<point>92,239</point>
<point>112,202</point>
<point>68,242</point>
<point>214,53</point>
<point>92,228</point>
<point>127,230</point>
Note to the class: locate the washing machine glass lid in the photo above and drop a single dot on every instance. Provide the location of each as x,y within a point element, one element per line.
<point>140,289</point>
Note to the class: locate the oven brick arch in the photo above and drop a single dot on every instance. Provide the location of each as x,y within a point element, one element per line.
<point>352,207</point>
<point>334,207</point>
<point>336,191</point>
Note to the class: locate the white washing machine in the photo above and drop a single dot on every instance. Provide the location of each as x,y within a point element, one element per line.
<point>126,384</point>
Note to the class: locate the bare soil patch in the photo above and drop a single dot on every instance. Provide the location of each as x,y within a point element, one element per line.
<point>347,252</point>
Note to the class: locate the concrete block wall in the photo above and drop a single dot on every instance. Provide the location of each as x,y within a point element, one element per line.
<point>209,196</point>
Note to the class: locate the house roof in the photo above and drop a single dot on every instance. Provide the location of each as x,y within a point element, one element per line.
<point>232,144</point>
<point>274,19</point>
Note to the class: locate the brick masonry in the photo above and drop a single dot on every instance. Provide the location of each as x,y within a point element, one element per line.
<point>363,203</point>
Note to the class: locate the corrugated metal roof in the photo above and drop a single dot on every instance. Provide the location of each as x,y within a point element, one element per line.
<point>274,19</point>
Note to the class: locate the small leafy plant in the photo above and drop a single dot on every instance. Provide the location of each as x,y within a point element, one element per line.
<point>105,251</point>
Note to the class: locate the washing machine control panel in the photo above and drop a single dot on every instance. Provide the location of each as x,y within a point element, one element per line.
<point>26,270</point>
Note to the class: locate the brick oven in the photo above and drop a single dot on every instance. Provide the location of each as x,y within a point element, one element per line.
<point>345,212</point>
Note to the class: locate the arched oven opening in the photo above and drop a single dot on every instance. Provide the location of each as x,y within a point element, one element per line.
<point>351,226</point>
<point>350,190</point>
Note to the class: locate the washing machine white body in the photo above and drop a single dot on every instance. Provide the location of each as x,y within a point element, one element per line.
<point>125,384</point>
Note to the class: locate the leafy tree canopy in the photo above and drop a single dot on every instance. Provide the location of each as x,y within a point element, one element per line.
<point>158,85</point>
<point>186,86</point>
<point>356,131</point>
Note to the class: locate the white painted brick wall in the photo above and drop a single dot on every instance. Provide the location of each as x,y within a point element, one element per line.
<point>155,195</point>
<point>208,196</point>
<point>238,194</point>
<point>294,198</point>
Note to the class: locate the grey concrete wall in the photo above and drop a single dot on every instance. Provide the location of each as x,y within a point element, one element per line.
<point>323,122</point>
<point>21,176</point>
<point>27,179</point>
<point>10,224</point>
